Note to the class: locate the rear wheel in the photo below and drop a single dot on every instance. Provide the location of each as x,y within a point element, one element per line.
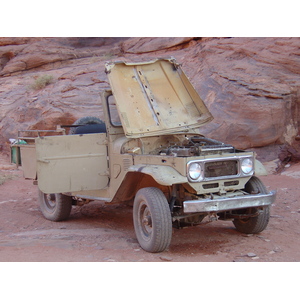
<point>55,207</point>
<point>261,217</point>
<point>152,220</point>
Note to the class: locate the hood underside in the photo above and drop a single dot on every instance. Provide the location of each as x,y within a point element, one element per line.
<point>155,97</point>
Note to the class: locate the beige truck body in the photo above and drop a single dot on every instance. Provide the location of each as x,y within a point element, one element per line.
<point>152,152</point>
<point>158,107</point>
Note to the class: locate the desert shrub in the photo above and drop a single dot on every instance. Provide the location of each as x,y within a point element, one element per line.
<point>41,82</point>
<point>4,177</point>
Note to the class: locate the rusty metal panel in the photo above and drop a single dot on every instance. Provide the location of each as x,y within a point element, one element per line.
<point>155,98</point>
<point>72,163</point>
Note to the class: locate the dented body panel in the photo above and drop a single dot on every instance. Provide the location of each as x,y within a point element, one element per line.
<point>155,98</point>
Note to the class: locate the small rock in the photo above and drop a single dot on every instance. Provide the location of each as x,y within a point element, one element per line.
<point>99,248</point>
<point>166,258</point>
<point>272,252</point>
<point>63,227</point>
<point>108,259</point>
<point>250,254</point>
<point>266,240</point>
<point>255,257</point>
<point>239,260</point>
<point>134,241</point>
<point>276,216</point>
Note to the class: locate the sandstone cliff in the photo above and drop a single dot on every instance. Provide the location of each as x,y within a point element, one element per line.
<point>251,85</point>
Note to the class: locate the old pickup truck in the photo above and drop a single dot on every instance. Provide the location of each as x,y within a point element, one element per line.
<point>148,149</point>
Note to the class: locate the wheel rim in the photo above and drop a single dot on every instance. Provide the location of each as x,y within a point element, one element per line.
<point>145,221</point>
<point>50,201</point>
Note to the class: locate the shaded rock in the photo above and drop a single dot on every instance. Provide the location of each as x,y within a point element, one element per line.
<point>150,44</point>
<point>255,257</point>
<point>290,153</point>
<point>239,260</point>
<point>15,40</point>
<point>45,51</point>
<point>166,258</point>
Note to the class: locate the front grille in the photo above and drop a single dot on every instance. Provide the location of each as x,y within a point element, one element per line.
<point>220,168</point>
<point>210,185</point>
<point>231,183</point>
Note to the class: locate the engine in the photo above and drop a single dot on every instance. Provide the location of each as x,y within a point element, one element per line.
<point>196,146</point>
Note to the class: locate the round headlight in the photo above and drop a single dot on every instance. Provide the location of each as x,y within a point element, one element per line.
<point>247,166</point>
<point>194,171</point>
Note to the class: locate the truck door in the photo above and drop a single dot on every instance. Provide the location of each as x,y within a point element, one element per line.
<point>72,163</point>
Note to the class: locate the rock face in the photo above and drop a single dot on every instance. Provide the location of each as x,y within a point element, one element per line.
<point>251,85</point>
<point>144,45</point>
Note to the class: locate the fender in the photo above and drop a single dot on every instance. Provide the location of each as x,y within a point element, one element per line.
<point>259,168</point>
<point>164,175</point>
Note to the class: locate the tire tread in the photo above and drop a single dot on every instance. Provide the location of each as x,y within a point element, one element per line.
<point>60,212</point>
<point>161,214</point>
<point>259,223</point>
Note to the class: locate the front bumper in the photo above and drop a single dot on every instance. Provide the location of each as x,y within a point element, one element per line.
<point>224,204</point>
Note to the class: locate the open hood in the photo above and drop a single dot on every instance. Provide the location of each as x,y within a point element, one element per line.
<point>155,98</point>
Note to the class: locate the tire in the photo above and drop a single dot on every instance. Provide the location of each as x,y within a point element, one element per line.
<point>152,220</point>
<point>55,207</point>
<point>258,223</point>
<point>88,125</point>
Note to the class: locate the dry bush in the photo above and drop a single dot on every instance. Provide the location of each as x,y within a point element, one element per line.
<point>42,81</point>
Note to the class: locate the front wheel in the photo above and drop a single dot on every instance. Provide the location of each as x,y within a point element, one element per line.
<point>260,221</point>
<point>152,220</point>
<point>55,207</point>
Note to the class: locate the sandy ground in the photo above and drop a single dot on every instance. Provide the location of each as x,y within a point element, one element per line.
<point>105,233</point>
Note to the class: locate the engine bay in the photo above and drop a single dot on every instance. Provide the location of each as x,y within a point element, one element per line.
<point>180,145</point>
<point>196,146</point>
